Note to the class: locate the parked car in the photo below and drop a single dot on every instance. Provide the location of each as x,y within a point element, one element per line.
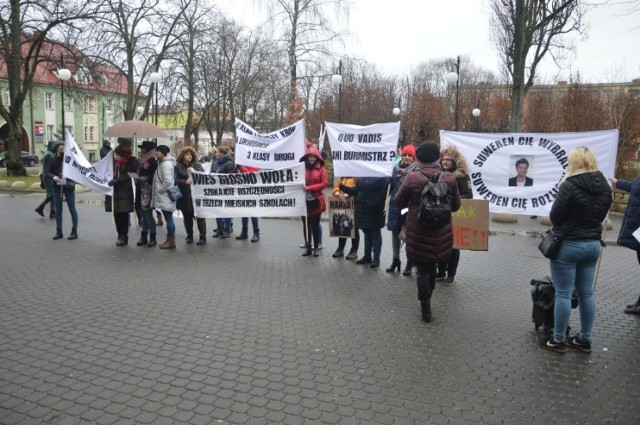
<point>28,159</point>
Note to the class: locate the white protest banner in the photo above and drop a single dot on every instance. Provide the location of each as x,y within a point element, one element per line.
<point>272,193</point>
<point>363,151</point>
<point>76,167</point>
<point>280,149</point>
<point>519,173</point>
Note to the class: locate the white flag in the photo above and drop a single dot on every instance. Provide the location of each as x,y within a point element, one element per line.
<point>76,167</point>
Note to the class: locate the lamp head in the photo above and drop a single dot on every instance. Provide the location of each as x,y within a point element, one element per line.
<point>154,77</point>
<point>336,80</point>
<point>64,74</point>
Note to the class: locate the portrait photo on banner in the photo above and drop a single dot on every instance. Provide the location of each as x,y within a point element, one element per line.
<point>341,217</point>
<point>521,170</point>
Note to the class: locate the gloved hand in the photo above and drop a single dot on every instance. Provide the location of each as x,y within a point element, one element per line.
<point>112,182</point>
<point>341,187</point>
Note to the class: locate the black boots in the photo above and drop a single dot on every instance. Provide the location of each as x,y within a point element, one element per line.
<point>364,260</point>
<point>407,268</point>
<point>256,236</point>
<point>243,235</point>
<point>395,264</point>
<point>425,306</point>
<point>152,240</point>
<point>338,254</point>
<point>73,235</point>
<point>307,251</point>
<point>189,238</point>
<point>633,308</point>
<point>122,240</point>
<point>143,239</point>
<point>58,234</point>
<point>202,240</point>
<point>40,210</point>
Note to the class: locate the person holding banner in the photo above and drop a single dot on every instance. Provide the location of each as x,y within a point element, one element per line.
<point>426,246</point>
<point>395,219</point>
<point>187,163</point>
<point>63,188</point>
<point>452,160</point>
<point>163,179</point>
<point>371,193</point>
<point>123,196</point>
<point>223,165</point>
<point>630,224</point>
<point>315,181</point>
<point>342,242</point>
<point>577,213</point>
<point>244,234</point>
<point>147,166</point>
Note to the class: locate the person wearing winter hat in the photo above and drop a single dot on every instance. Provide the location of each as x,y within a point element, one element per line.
<point>426,247</point>
<point>163,179</point>
<point>395,220</point>
<point>147,166</point>
<point>452,160</point>
<point>67,190</point>
<point>47,182</point>
<point>122,202</point>
<point>315,181</point>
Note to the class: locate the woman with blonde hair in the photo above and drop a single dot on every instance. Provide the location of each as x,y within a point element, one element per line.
<point>582,203</point>
<point>187,162</point>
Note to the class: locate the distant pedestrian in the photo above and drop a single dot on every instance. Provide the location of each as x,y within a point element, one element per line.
<point>630,223</point>
<point>122,203</point>
<point>426,247</point>
<point>47,181</point>
<point>63,188</point>
<point>582,203</point>
<point>163,179</point>
<point>105,149</point>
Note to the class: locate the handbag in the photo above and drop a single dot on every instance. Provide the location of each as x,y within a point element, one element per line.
<point>312,202</point>
<point>550,244</point>
<point>174,193</point>
<point>146,195</point>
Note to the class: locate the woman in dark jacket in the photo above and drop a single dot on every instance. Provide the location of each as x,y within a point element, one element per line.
<point>630,223</point>
<point>426,247</point>
<point>315,181</point>
<point>371,193</point>
<point>147,166</point>
<point>224,164</point>
<point>67,190</point>
<point>188,162</point>
<point>395,220</point>
<point>122,203</point>
<point>582,203</point>
<point>452,160</point>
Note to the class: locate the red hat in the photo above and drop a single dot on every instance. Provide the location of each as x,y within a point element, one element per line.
<point>410,150</point>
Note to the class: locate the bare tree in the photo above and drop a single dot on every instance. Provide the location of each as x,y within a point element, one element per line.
<point>524,32</point>
<point>27,33</point>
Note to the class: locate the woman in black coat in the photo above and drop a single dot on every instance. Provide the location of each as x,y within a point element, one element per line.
<point>371,193</point>
<point>188,161</point>
<point>147,166</point>
<point>123,201</point>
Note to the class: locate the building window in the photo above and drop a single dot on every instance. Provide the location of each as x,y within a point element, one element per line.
<point>108,106</point>
<point>89,132</point>
<point>48,101</point>
<point>89,105</point>
<point>51,132</point>
<point>6,99</point>
<point>68,104</point>
<point>84,77</point>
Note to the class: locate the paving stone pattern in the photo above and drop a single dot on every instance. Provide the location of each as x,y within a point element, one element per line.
<point>252,333</point>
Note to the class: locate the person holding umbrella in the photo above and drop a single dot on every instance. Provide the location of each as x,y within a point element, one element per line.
<point>122,202</point>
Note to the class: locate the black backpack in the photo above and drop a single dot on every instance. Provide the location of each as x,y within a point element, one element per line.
<point>435,203</point>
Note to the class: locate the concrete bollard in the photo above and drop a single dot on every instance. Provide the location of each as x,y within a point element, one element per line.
<point>18,185</point>
<point>504,218</point>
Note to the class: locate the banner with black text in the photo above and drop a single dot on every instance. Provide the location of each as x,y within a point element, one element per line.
<point>519,173</point>
<point>76,167</point>
<point>267,193</point>
<point>279,149</point>
<point>363,151</point>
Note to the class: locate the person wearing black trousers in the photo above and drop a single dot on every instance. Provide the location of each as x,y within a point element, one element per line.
<point>122,202</point>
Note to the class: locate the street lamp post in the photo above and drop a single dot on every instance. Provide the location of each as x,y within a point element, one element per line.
<point>155,79</point>
<point>453,77</point>
<point>250,113</point>
<point>336,81</point>
<point>476,113</point>
<point>63,75</point>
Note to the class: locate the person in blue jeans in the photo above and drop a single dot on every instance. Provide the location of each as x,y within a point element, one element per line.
<point>583,201</point>
<point>68,191</point>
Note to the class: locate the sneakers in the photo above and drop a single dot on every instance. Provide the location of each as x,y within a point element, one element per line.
<point>553,345</point>
<point>440,277</point>
<point>319,246</point>
<point>352,255</point>
<point>338,254</point>
<point>578,344</point>
<point>449,281</point>
<point>304,245</point>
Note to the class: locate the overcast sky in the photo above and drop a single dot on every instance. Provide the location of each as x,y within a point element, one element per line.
<point>399,34</point>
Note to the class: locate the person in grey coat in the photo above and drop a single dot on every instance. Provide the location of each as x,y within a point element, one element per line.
<point>163,179</point>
